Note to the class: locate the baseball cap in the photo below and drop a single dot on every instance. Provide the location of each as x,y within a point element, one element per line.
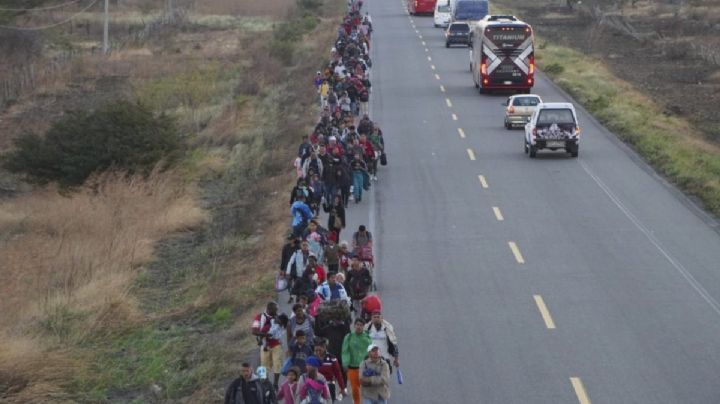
<point>373,346</point>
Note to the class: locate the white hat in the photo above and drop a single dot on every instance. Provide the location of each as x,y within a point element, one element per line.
<point>373,346</point>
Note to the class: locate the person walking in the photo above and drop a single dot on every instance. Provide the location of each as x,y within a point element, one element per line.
<point>300,321</point>
<point>331,290</point>
<point>313,386</point>
<point>359,170</point>
<point>330,369</point>
<point>289,392</point>
<point>295,267</point>
<point>301,215</point>
<point>249,389</point>
<point>354,349</point>
<point>383,335</point>
<point>299,351</point>
<point>271,351</point>
<point>375,377</point>
<point>336,216</point>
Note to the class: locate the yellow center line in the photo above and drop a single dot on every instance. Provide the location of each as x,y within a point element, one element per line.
<point>544,312</point>
<point>483,181</point>
<point>516,252</point>
<point>498,214</point>
<point>447,101</point>
<point>471,154</point>
<point>442,88</point>
<point>461,132</point>
<point>579,390</point>
<point>437,77</point>
<point>454,117</point>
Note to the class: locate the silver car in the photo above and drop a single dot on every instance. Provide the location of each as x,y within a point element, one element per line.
<point>519,108</point>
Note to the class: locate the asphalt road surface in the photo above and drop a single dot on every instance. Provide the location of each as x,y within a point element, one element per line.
<point>511,280</point>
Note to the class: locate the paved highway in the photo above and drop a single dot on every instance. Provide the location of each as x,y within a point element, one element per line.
<point>511,280</point>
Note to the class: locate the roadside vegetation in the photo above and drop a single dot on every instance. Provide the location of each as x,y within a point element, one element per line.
<point>131,273</point>
<point>686,153</point>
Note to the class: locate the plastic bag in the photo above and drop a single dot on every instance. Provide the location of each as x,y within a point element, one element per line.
<point>280,283</point>
<point>400,376</point>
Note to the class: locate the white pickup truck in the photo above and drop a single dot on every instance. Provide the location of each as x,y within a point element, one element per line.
<point>553,126</point>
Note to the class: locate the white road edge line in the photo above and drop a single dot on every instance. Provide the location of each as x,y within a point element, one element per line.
<point>649,234</point>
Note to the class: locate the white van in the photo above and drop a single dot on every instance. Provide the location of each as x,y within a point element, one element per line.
<point>442,15</point>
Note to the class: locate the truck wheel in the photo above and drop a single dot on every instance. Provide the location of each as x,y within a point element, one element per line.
<point>447,45</point>
<point>533,152</point>
<point>575,150</point>
<point>507,125</point>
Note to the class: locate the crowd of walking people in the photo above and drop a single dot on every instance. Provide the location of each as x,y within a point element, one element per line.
<point>335,342</point>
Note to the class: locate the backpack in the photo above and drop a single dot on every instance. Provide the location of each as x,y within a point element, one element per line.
<point>313,396</point>
<point>364,96</point>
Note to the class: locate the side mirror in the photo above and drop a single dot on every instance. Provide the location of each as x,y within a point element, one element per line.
<point>529,119</point>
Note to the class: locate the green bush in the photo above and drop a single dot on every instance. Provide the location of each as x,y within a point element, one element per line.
<point>122,135</point>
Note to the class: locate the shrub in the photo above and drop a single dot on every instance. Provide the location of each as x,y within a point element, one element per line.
<point>122,135</point>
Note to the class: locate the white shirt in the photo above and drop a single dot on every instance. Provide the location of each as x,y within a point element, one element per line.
<point>380,339</point>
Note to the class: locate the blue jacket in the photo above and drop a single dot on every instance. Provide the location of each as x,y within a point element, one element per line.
<point>300,213</point>
<point>325,293</point>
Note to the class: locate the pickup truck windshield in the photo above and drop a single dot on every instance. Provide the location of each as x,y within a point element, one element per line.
<point>558,116</point>
<point>443,9</point>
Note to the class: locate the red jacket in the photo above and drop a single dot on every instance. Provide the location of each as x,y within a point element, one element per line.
<point>330,368</point>
<point>369,151</point>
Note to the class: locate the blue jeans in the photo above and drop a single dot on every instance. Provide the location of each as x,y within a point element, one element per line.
<point>369,401</point>
<point>358,182</point>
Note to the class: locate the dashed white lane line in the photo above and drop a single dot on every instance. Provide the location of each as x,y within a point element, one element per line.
<point>580,390</point>
<point>498,214</point>
<point>483,181</point>
<point>429,59</point>
<point>423,42</point>
<point>442,88</point>
<point>544,312</point>
<point>437,76</point>
<point>461,132</point>
<point>516,252</point>
<point>448,102</point>
<point>454,117</point>
<point>427,50</point>
<point>471,154</point>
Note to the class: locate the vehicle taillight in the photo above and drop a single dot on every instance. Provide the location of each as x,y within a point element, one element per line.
<point>511,109</point>
<point>532,65</point>
<point>530,81</point>
<point>577,131</point>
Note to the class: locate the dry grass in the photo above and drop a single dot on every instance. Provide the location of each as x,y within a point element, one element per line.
<point>68,264</point>
<point>80,252</point>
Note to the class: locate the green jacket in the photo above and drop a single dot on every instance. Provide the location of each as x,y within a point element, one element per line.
<point>354,349</point>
